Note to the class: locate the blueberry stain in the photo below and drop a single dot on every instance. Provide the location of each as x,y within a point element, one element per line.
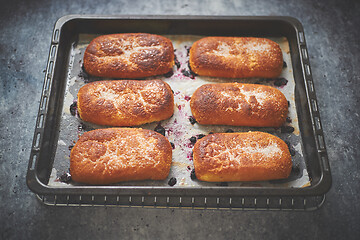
<point>66,178</point>
<point>172,181</point>
<point>192,174</point>
<point>177,63</point>
<point>160,129</point>
<point>193,139</point>
<point>192,120</point>
<point>187,51</point>
<point>287,129</point>
<point>200,136</point>
<point>280,82</point>
<point>187,73</point>
<point>73,108</point>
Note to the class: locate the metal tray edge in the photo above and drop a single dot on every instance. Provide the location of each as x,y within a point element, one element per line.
<point>321,188</point>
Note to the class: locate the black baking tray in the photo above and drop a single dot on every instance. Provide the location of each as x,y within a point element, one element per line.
<point>65,34</point>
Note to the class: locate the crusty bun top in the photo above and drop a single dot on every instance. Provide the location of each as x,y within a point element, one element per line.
<point>129,55</point>
<point>125,102</point>
<point>120,154</point>
<point>248,156</point>
<point>239,104</point>
<point>236,57</point>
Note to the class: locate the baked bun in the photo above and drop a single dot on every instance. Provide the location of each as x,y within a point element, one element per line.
<point>238,104</point>
<point>125,102</point>
<point>112,155</point>
<point>236,57</point>
<point>251,156</point>
<point>129,55</point>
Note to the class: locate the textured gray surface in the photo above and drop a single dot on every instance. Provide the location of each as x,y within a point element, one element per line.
<point>332,34</point>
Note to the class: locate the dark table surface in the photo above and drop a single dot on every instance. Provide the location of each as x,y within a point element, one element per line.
<point>332,34</point>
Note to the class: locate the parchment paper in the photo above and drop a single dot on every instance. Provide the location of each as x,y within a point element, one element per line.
<point>178,129</point>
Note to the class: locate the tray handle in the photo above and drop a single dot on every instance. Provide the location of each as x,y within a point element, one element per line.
<point>299,203</point>
<point>32,180</point>
<point>314,112</point>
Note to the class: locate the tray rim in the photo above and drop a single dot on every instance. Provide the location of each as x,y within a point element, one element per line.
<point>321,187</point>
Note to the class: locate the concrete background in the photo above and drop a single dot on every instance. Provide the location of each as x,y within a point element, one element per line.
<point>332,34</point>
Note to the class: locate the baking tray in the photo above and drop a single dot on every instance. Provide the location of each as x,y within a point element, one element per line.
<point>67,32</point>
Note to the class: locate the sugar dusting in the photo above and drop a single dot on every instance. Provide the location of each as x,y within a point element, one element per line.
<point>236,153</point>
<point>125,49</point>
<point>109,95</point>
<point>226,50</point>
<point>116,158</point>
<point>118,98</point>
<point>245,95</point>
<point>269,150</point>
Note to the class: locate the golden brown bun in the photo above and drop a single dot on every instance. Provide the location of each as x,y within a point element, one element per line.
<point>112,155</point>
<point>125,102</point>
<point>129,55</point>
<point>251,156</point>
<point>238,104</point>
<point>236,57</point>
